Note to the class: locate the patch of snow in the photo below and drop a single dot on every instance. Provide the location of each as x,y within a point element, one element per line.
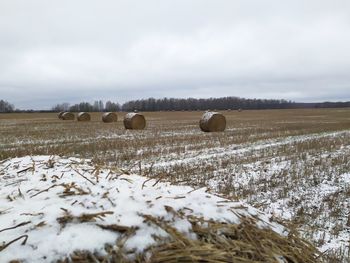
<point>37,193</point>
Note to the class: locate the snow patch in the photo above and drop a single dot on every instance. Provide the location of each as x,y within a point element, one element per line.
<point>64,204</point>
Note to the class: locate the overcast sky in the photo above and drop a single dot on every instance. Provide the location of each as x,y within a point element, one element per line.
<point>74,50</point>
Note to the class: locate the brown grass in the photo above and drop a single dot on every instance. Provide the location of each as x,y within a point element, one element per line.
<point>215,242</point>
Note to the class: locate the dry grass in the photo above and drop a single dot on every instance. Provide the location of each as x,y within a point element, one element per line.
<point>215,242</point>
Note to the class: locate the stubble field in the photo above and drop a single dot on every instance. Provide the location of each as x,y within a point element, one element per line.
<point>292,164</point>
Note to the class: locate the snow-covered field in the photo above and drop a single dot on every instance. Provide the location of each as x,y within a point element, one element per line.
<point>300,179</point>
<point>52,206</point>
<point>292,165</point>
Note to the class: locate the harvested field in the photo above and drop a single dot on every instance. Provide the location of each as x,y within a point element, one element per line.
<point>292,164</point>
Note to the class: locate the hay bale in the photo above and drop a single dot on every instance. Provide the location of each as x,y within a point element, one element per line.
<point>84,116</point>
<point>212,122</point>
<point>109,117</point>
<point>68,116</point>
<point>60,115</point>
<point>134,121</point>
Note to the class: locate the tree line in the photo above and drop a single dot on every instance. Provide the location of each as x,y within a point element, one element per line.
<point>224,103</point>
<point>97,106</point>
<point>192,104</point>
<point>173,104</point>
<point>178,104</point>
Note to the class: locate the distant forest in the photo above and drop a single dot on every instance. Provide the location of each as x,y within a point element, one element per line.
<point>191,104</point>
<point>174,104</point>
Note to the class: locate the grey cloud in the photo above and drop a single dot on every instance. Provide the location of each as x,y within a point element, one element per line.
<point>80,50</point>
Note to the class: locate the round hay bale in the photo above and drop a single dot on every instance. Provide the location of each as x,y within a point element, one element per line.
<point>84,116</point>
<point>212,122</point>
<point>68,116</point>
<point>109,117</point>
<point>134,121</point>
<point>60,115</point>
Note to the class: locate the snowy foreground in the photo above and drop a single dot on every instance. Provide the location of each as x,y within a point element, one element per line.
<point>304,179</point>
<point>51,206</point>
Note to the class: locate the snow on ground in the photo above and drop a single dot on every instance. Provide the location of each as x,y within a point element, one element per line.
<point>207,154</point>
<point>51,206</point>
<point>304,178</point>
